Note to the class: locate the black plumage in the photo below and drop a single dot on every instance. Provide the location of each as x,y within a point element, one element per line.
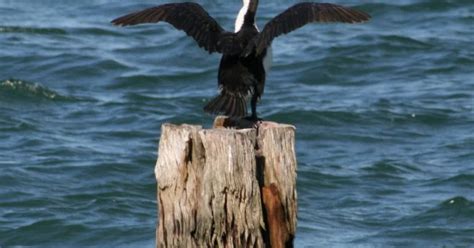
<point>189,17</point>
<point>302,14</point>
<point>241,70</point>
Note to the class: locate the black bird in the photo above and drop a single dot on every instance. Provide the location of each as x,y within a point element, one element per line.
<point>246,52</point>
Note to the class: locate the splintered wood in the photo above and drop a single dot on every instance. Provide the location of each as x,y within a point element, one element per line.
<point>226,187</point>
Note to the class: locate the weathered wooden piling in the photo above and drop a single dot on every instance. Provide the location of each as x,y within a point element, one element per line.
<point>226,187</point>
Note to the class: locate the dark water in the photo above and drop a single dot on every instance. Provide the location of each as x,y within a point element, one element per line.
<point>384,116</point>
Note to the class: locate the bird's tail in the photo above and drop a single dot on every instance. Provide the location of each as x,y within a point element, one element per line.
<point>229,104</point>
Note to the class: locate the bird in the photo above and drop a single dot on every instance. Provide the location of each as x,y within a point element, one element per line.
<point>246,51</point>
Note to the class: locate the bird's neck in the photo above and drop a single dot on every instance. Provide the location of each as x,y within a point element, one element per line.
<point>246,14</point>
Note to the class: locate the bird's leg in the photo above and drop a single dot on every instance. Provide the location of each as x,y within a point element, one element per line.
<point>253,104</point>
<point>253,118</point>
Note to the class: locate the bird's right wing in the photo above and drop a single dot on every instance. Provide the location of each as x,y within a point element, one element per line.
<point>302,14</point>
<point>189,17</point>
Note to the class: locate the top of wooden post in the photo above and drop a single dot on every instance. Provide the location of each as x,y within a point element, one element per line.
<point>227,122</point>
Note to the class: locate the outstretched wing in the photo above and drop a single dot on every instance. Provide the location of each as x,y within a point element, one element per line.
<point>189,17</point>
<point>302,14</point>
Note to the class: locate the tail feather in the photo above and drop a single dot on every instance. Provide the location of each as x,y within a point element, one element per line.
<point>232,105</point>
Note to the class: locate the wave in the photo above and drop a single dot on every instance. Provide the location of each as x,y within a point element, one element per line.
<point>419,7</point>
<point>96,31</point>
<point>389,168</point>
<point>432,6</point>
<point>17,89</point>
<point>456,211</point>
<point>461,180</point>
<point>400,41</point>
<point>151,80</point>
<point>50,229</point>
<point>32,30</point>
<point>447,222</point>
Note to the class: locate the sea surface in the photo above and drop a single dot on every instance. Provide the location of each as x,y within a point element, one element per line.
<point>384,113</point>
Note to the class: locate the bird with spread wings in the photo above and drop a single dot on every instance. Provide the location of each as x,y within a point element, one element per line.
<point>193,19</point>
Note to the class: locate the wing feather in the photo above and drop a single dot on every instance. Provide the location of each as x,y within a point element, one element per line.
<point>189,17</point>
<point>302,14</point>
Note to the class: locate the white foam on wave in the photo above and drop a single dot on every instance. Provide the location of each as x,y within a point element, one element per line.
<point>26,88</point>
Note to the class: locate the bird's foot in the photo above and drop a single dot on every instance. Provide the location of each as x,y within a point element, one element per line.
<point>254,120</point>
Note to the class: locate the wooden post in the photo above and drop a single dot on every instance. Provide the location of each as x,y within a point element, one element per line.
<point>226,187</point>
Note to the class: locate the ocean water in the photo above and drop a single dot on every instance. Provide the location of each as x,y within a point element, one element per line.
<point>383,110</point>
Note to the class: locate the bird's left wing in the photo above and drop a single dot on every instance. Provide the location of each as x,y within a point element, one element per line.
<point>300,15</point>
<point>189,17</point>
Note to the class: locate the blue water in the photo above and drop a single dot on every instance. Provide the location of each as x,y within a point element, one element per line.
<point>383,110</point>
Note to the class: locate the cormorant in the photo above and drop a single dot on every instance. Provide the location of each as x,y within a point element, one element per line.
<point>246,52</point>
